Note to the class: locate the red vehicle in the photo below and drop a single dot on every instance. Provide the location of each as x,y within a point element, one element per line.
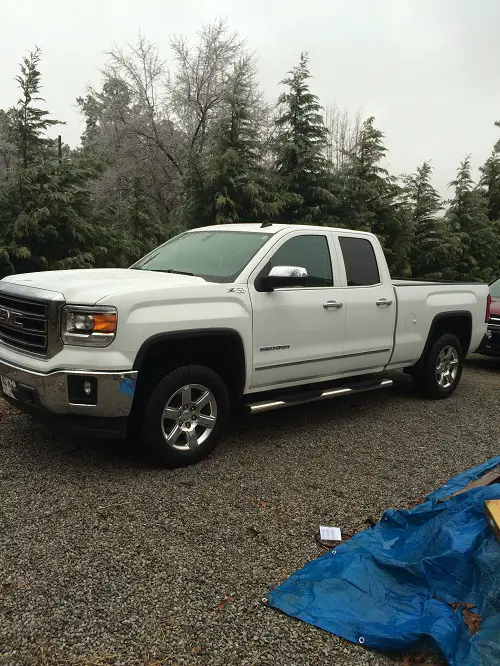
<point>491,343</point>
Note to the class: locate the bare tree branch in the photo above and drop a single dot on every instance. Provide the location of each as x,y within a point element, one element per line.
<point>200,83</point>
<point>343,135</point>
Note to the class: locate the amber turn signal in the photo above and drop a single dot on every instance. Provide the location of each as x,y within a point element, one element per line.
<point>105,323</point>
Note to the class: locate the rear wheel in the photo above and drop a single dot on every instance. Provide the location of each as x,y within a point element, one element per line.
<point>185,416</point>
<point>438,374</point>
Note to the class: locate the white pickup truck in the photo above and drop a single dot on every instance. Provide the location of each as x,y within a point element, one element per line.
<point>263,315</point>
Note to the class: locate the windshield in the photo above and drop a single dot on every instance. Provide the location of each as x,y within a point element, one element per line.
<point>495,289</point>
<point>216,256</point>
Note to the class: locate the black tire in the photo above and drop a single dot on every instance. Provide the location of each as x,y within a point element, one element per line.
<point>167,393</point>
<point>426,376</point>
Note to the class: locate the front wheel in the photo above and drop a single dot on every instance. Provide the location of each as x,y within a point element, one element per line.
<point>439,372</point>
<point>185,416</point>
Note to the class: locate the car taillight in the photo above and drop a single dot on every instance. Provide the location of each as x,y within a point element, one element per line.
<point>488,308</point>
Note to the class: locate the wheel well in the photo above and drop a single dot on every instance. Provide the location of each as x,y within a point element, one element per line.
<point>459,324</point>
<point>222,352</point>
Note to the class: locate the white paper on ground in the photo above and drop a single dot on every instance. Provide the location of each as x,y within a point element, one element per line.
<point>330,533</point>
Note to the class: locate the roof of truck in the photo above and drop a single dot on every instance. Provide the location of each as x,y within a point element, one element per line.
<point>272,228</point>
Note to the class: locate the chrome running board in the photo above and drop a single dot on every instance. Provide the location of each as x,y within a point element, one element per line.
<point>315,396</point>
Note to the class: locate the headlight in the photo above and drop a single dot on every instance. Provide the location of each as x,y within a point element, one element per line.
<point>89,326</point>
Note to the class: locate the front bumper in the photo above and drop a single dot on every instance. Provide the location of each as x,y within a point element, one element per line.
<point>48,394</point>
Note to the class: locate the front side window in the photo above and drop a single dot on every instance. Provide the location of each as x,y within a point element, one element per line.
<point>360,262</point>
<point>309,252</point>
<point>216,256</point>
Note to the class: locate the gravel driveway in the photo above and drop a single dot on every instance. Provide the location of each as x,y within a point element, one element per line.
<point>104,561</point>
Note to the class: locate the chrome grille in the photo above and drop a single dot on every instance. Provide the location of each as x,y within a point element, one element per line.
<point>29,319</point>
<point>23,324</point>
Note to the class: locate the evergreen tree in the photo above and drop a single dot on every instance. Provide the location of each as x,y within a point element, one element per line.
<point>479,250</point>
<point>54,227</point>
<point>366,185</point>
<point>371,200</point>
<point>30,123</point>
<point>46,215</point>
<point>431,248</point>
<point>231,183</point>
<point>300,149</point>
<point>105,111</point>
<point>490,181</point>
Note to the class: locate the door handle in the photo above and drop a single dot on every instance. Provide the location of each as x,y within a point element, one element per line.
<point>332,305</point>
<point>383,302</point>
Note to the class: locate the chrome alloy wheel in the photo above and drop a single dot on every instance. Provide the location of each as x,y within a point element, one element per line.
<point>189,417</point>
<point>447,366</point>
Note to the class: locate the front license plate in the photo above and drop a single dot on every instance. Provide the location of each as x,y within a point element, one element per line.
<point>8,387</point>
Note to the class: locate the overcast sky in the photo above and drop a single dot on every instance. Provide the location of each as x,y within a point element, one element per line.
<point>428,70</point>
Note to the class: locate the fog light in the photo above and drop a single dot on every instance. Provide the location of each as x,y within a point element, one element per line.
<point>82,390</point>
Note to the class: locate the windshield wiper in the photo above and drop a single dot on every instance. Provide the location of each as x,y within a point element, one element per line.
<point>171,270</point>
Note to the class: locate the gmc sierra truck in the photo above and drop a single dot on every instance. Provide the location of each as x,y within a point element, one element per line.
<point>260,315</point>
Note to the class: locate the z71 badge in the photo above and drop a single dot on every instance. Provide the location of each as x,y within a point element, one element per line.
<point>236,290</point>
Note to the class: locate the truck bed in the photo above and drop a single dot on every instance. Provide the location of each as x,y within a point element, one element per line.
<point>421,302</point>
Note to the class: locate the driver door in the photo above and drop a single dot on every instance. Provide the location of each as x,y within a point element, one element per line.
<point>298,331</point>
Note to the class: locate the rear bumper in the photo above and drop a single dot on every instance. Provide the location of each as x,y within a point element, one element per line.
<point>490,346</point>
<point>49,396</point>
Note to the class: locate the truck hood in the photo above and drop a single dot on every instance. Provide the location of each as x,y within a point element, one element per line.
<point>87,286</point>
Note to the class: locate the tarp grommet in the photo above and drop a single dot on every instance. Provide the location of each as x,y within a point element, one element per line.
<point>361,640</point>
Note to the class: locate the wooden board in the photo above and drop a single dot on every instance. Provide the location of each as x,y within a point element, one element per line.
<point>492,511</point>
<point>493,476</point>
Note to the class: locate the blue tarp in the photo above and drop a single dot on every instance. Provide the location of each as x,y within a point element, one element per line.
<point>389,587</point>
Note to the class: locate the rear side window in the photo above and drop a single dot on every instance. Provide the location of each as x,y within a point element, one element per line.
<point>360,262</point>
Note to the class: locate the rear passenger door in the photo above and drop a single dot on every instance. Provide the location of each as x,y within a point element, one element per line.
<point>370,306</point>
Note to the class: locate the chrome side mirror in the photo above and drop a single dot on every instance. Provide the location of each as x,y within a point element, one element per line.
<point>288,272</point>
<point>283,276</point>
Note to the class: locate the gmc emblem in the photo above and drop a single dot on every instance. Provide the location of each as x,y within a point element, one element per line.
<point>10,318</point>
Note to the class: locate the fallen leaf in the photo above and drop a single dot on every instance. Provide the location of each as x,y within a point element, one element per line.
<point>9,586</point>
<point>222,604</point>
<point>263,504</point>
<point>460,606</point>
<point>196,649</point>
<point>414,659</point>
<point>472,620</point>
